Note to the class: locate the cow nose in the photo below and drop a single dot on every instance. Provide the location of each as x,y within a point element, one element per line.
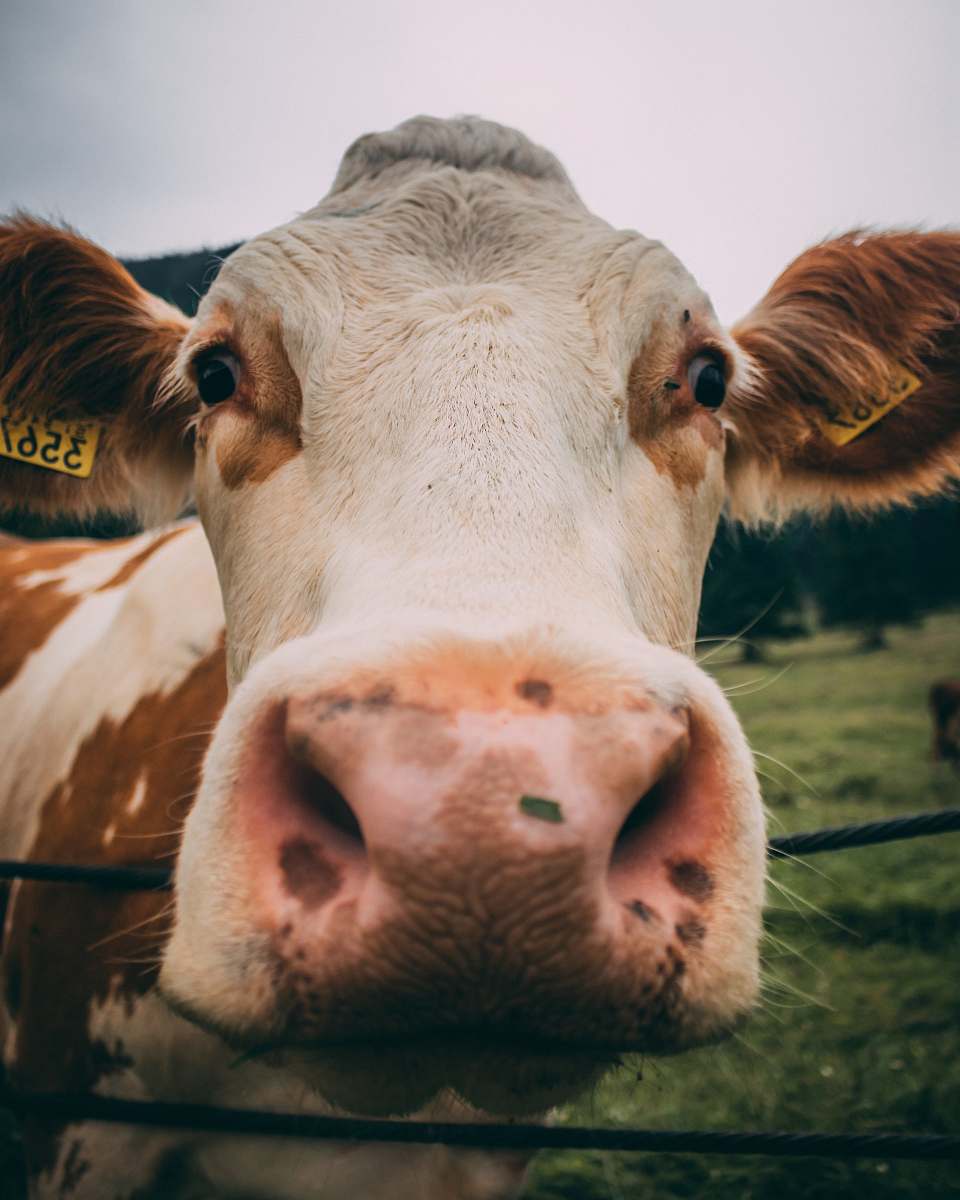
<point>359,806</point>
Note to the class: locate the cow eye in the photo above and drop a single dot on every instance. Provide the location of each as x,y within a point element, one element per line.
<point>217,376</point>
<point>706,381</point>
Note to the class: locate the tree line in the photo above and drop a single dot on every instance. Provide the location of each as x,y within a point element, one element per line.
<point>863,574</point>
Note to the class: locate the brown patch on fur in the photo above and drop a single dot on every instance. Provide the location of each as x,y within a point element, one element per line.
<point>132,565</point>
<point>307,874</point>
<point>709,428</point>
<point>252,455</point>
<point>79,338</point>
<point>674,432</point>
<point>643,911</point>
<point>258,430</point>
<point>692,879</point>
<point>28,616</point>
<point>537,691</point>
<point>829,331</point>
<point>686,469</point>
<point>71,945</point>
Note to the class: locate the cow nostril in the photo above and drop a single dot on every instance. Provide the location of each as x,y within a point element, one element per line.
<point>640,818</point>
<point>329,804</point>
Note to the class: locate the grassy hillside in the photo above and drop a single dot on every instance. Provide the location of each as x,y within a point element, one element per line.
<point>860,1027</point>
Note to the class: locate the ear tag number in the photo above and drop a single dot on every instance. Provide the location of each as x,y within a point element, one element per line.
<point>65,446</point>
<point>842,424</point>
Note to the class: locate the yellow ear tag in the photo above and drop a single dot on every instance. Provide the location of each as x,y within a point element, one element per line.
<point>65,446</point>
<point>842,425</point>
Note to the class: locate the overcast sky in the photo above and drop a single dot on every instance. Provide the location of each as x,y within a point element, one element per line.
<point>737,131</point>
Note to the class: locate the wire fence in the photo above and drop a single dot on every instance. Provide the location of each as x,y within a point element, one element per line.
<point>55,1106</point>
<point>792,845</point>
<point>253,1122</point>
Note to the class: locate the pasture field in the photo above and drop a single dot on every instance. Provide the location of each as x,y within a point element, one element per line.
<point>860,1025</point>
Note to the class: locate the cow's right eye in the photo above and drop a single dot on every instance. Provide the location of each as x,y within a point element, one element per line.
<point>706,381</point>
<point>217,377</point>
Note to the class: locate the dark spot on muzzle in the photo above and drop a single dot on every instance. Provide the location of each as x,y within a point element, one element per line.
<point>307,874</point>
<point>692,879</point>
<point>641,910</point>
<point>691,932</point>
<point>537,691</point>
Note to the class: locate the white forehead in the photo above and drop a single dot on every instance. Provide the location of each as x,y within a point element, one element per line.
<point>421,217</point>
<point>462,330</point>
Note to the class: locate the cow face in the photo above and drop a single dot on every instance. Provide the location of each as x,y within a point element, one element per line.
<point>459,449</point>
<point>468,406</point>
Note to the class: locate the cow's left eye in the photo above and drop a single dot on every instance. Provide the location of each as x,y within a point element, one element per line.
<point>706,381</point>
<point>217,377</point>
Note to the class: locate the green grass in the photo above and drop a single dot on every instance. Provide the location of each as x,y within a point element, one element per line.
<point>860,1024</point>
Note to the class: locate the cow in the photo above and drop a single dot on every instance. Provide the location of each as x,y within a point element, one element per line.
<point>945,710</point>
<point>457,818</point>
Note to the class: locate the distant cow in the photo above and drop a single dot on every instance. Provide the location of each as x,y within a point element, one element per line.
<point>945,707</point>
<point>464,821</point>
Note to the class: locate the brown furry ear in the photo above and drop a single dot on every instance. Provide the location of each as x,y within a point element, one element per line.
<point>81,340</point>
<point>846,324</point>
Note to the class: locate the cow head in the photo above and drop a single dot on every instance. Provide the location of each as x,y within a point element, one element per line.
<point>460,449</point>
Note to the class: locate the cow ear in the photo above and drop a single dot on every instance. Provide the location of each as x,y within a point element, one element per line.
<point>852,380</point>
<point>85,359</point>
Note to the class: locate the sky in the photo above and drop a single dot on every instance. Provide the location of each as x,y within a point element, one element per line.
<point>737,132</point>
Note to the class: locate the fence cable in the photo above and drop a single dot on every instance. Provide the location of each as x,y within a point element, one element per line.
<point>253,1122</point>
<point>872,833</point>
<point>793,845</point>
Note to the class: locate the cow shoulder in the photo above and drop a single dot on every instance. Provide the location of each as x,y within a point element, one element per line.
<point>112,705</point>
